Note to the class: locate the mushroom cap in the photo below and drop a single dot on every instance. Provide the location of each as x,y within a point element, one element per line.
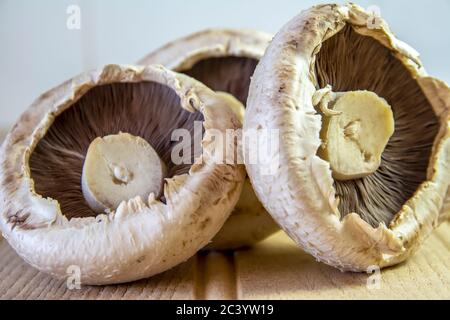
<point>142,237</point>
<point>301,193</point>
<point>250,222</point>
<point>182,54</point>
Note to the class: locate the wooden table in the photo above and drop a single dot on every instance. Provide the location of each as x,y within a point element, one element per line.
<point>274,269</point>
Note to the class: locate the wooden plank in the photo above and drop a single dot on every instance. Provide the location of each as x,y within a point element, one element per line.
<point>20,281</point>
<point>218,276</point>
<point>275,269</point>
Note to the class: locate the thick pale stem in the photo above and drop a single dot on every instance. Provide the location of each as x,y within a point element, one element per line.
<point>357,126</point>
<point>118,168</point>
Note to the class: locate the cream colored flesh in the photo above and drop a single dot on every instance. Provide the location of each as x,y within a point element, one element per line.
<point>119,168</point>
<point>355,136</point>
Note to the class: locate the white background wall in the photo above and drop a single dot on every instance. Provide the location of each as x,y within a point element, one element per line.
<point>37,51</point>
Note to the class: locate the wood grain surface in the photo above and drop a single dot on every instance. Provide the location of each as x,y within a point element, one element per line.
<point>274,269</point>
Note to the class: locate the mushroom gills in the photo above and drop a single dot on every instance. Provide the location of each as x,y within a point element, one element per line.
<point>354,132</point>
<point>226,74</point>
<point>348,62</point>
<point>148,110</point>
<point>118,168</point>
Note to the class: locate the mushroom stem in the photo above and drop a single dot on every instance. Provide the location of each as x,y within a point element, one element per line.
<point>357,126</point>
<point>118,168</point>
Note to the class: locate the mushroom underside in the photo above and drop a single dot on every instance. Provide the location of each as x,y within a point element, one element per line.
<point>227,74</point>
<point>349,61</point>
<point>148,110</point>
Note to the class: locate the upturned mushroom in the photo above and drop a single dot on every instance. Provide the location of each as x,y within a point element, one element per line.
<point>364,155</point>
<point>224,60</point>
<point>87,179</point>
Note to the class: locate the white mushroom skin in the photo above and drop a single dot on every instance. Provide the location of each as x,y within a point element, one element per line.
<point>142,237</point>
<point>118,168</point>
<point>355,133</point>
<point>300,194</point>
<point>250,222</point>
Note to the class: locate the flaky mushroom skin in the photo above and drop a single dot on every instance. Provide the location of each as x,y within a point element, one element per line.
<point>142,237</point>
<point>300,194</point>
<point>249,222</point>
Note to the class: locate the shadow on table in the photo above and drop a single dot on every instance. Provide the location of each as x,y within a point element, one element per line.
<point>277,268</point>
